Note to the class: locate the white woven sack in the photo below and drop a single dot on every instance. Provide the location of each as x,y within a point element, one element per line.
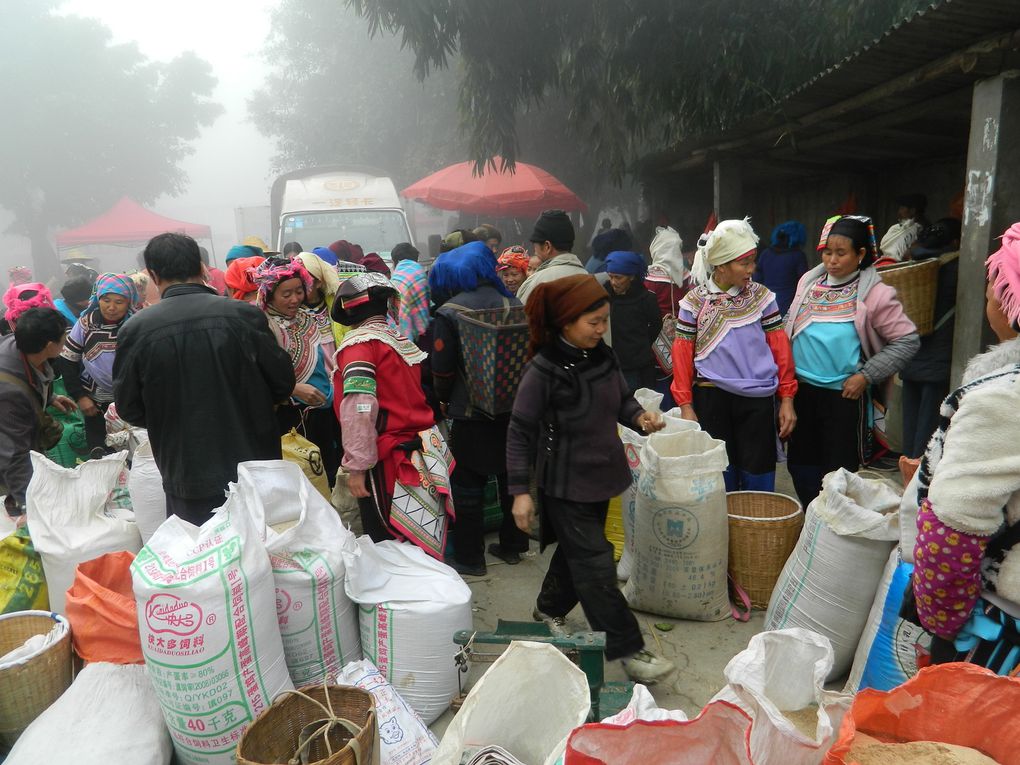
<point>318,622</point>
<point>411,606</point>
<point>681,532</point>
<point>829,581</point>
<point>69,520</point>
<point>207,622</point>
<point>145,485</point>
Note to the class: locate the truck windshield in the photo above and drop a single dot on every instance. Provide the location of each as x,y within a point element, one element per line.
<point>375,230</point>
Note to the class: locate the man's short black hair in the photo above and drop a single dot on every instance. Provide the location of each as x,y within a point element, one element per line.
<point>404,251</point>
<point>37,328</point>
<point>173,257</point>
<point>204,254</point>
<point>292,248</point>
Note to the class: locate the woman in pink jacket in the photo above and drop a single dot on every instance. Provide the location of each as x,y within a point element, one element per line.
<point>849,332</point>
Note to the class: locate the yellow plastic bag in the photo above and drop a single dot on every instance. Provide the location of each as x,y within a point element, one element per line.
<point>298,449</point>
<point>22,583</point>
<point>614,527</point>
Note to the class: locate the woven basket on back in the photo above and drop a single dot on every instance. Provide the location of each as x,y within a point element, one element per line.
<point>275,737</point>
<point>915,285</point>
<point>26,690</point>
<point>764,528</point>
<point>494,350</point>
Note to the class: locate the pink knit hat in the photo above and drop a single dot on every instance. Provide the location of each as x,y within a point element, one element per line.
<point>17,305</point>
<point>1004,273</point>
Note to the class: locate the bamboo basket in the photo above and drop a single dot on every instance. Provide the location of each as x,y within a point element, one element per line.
<point>277,734</point>
<point>915,284</point>
<point>27,689</point>
<point>764,528</point>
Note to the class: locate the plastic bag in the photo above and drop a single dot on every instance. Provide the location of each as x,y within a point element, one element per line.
<point>102,612</point>
<point>780,676</point>
<point>960,704</point>
<point>68,518</point>
<point>681,531</point>
<point>346,504</point>
<point>403,738</point>
<point>22,583</point>
<point>509,709</point>
<point>110,714</point>
<point>318,622</point>
<point>207,618</point>
<point>306,455</point>
<point>145,486</point>
<point>720,735</point>
<point>411,606</point>
<point>830,579</point>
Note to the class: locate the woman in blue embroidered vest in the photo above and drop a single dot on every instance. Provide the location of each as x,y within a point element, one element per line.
<point>731,358</point>
<point>849,332</point>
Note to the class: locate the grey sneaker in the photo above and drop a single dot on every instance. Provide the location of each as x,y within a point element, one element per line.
<point>647,668</point>
<point>557,624</point>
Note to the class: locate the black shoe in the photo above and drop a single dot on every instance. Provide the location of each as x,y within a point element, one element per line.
<point>509,557</point>
<point>467,570</point>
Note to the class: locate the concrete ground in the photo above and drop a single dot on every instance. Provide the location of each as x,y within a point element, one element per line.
<point>700,650</point>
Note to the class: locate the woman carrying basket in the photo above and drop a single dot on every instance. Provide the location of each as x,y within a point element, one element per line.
<point>465,279</point>
<point>564,424</point>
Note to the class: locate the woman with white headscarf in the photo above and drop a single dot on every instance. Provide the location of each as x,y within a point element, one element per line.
<point>668,280</point>
<point>731,358</point>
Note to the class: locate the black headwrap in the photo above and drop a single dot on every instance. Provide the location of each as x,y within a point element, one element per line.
<point>361,297</point>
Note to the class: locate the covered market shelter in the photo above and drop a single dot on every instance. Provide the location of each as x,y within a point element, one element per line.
<point>931,106</point>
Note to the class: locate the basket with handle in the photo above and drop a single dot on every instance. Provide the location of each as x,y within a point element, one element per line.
<point>764,528</point>
<point>315,725</point>
<point>494,350</point>
<point>29,687</point>
<point>916,285</point>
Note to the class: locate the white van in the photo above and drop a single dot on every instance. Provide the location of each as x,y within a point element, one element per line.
<point>319,205</point>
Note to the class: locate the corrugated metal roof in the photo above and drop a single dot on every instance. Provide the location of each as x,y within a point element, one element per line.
<point>931,102</point>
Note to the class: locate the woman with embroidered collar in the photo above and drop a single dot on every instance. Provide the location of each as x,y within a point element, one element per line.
<point>966,579</point>
<point>282,286</point>
<point>397,461</point>
<point>849,332</point>
<point>731,359</point>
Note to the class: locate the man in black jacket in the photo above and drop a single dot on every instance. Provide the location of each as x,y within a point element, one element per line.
<point>202,373</point>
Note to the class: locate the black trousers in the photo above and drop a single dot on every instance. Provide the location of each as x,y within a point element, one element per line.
<point>95,428</point>
<point>921,403</point>
<point>747,425</point>
<point>827,437</point>
<point>193,510</point>
<point>582,571</point>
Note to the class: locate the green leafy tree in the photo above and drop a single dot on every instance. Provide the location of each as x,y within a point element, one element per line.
<point>625,75</point>
<point>87,121</point>
<point>336,96</point>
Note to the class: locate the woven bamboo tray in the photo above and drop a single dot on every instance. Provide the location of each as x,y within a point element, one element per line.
<point>915,284</point>
<point>26,690</point>
<point>274,736</point>
<point>764,528</point>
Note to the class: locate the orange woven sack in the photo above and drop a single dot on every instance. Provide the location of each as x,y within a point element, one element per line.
<point>101,610</point>
<point>961,704</point>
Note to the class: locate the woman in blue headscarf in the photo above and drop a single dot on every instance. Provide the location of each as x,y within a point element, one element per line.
<point>634,314</point>
<point>86,363</point>
<point>781,265</point>
<point>465,279</point>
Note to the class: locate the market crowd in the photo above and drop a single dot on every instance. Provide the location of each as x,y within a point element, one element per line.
<point>364,357</point>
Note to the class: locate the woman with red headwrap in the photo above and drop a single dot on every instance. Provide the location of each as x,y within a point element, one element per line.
<point>564,425</point>
<point>22,296</point>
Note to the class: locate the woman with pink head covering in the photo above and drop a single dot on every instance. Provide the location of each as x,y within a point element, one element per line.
<point>966,578</point>
<point>20,297</point>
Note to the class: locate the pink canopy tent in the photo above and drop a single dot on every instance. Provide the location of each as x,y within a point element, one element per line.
<point>128,223</point>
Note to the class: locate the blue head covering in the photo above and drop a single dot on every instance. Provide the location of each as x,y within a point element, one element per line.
<point>463,269</point>
<point>242,251</point>
<point>626,263</point>
<point>794,231</point>
<point>114,284</point>
<point>326,255</point>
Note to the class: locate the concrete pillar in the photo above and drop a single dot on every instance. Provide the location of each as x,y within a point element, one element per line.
<point>991,205</point>
<point>728,190</point>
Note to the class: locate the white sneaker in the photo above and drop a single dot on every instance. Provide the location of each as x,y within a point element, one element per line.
<point>645,667</point>
<point>557,624</point>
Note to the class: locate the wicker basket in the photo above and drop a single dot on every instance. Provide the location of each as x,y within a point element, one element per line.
<point>915,285</point>
<point>26,690</point>
<point>494,350</point>
<point>277,733</point>
<point>764,528</point>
